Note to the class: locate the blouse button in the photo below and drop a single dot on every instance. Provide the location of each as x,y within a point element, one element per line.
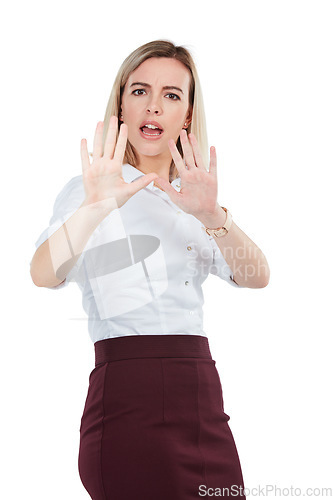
<point>186,282</point>
<point>189,248</point>
<point>191,312</point>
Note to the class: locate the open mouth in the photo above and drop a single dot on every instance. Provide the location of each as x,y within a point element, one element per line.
<point>151,131</point>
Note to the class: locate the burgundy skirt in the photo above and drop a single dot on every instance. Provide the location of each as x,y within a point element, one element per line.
<point>153,425</point>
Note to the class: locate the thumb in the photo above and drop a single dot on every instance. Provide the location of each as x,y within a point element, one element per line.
<point>142,182</point>
<point>166,186</point>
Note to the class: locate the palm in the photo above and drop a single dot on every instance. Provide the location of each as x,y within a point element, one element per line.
<point>102,179</point>
<point>198,194</point>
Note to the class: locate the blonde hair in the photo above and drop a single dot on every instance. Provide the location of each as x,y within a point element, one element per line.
<point>160,48</point>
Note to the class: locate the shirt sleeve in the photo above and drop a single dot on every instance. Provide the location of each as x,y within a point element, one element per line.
<point>66,204</point>
<point>219,266</point>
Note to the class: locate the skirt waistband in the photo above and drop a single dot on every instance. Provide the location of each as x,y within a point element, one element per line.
<point>151,346</point>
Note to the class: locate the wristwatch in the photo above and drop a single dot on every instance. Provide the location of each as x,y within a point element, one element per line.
<point>220,231</point>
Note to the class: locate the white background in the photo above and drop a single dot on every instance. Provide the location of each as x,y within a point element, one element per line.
<point>266,73</point>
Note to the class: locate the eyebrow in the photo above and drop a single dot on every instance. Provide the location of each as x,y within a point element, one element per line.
<point>166,87</point>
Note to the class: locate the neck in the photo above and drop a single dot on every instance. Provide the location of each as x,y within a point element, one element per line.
<point>159,165</point>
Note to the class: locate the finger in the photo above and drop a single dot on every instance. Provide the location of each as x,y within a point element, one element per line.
<point>166,186</point>
<point>142,182</point>
<point>197,154</point>
<point>84,155</point>
<point>110,140</point>
<point>179,162</point>
<point>187,150</point>
<point>121,144</point>
<point>98,145</point>
<point>213,162</point>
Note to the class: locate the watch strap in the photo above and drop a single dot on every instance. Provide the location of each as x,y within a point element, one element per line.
<point>221,231</point>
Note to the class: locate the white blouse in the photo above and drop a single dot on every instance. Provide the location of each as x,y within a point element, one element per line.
<point>142,269</point>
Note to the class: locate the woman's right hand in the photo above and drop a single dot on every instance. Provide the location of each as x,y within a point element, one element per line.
<point>102,179</point>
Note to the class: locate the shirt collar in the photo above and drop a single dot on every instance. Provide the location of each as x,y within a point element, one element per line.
<point>131,173</point>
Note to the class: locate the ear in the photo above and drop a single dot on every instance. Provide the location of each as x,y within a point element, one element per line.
<point>189,117</point>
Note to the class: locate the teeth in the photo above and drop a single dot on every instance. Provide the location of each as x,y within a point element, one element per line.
<point>146,133</point>
<point>150,126</point>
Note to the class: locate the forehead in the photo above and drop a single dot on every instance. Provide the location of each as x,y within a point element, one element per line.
<point>161,71</point>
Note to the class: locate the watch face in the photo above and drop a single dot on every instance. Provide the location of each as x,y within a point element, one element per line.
<point>221,232</point>
<point>214,232</point>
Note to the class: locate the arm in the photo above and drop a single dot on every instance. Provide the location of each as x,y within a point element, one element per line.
<point>105,190</point>
<point>243,256</point>
<point>198,196</point>
<point>65,246</point>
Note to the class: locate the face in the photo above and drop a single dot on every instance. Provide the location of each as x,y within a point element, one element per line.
<point>167,107</point>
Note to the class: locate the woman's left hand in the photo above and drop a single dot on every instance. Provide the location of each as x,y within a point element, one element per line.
<point>198,193</point>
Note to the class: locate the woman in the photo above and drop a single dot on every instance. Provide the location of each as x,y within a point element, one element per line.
<point>129,231</point>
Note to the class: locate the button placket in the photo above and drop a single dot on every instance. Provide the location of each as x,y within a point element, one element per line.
<point>188,242</point>
<point>189,248</point>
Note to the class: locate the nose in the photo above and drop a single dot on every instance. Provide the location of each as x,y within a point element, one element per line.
<point>154,107</point>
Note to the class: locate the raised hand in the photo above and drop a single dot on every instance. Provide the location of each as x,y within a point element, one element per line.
<point>103,182</point>
<point>198,193</point>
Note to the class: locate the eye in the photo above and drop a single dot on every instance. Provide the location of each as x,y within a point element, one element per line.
<point>176,96</point>
<point>138,90</point>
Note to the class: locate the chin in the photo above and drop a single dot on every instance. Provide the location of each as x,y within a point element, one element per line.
<point>148,149</point>
<point>151,153</point>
